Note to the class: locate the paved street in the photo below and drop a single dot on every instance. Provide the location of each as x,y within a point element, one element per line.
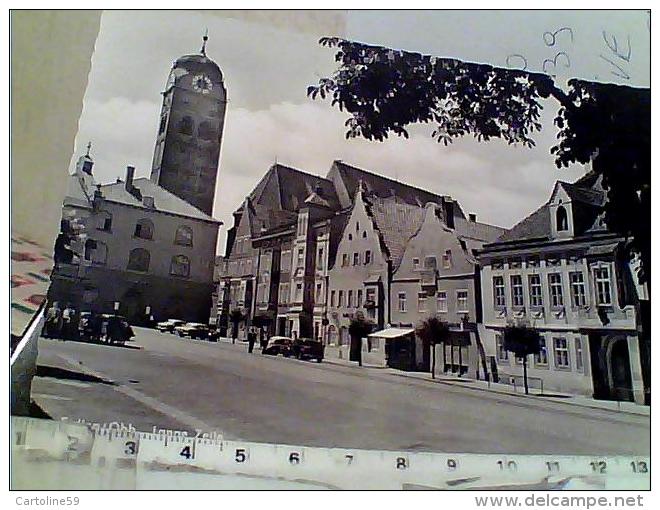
<point>165,381</point>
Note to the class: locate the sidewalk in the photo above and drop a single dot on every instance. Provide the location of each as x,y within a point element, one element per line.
<point>503,389</point>
<point>506,389</point>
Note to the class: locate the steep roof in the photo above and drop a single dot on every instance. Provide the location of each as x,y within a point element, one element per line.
<point>396,222</point>
<point>477,230</point>
<point>279,195</point>
<point>287,188</point>
<point>163,200</point>
<point>536,225</point>
<point>586,190</point>
<point>379,185</point>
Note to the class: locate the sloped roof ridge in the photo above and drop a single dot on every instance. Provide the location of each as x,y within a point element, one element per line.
<point>297,170</point>
<point>385,178</point>
<point>163,191</point>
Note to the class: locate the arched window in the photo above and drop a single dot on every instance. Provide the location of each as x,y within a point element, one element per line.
<point>184,236</point>
<point>562,219</point>
<point>138,260</point>
<point>180,266</point>
<point>144,229</point>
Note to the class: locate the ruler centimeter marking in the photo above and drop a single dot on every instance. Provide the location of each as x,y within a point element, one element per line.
<point>69,441</point>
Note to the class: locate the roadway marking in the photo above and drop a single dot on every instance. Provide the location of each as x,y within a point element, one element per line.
<point>190,421</point>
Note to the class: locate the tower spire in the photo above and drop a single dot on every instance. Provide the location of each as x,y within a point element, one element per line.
<point>204,39</point>
<point>89,147</point>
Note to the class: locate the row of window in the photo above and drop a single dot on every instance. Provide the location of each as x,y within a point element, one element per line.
<point>353,298</point>
<point>139,260</point>
<point>430,262</point>
<point>357,259</point>
<point>462,301</point>
<point>555,287</point>
<point>144,229</point>
<point>560,350</point>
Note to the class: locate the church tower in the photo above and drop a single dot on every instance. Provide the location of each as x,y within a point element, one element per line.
<point>190,130</point>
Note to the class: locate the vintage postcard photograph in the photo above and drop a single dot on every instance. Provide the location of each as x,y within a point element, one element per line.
<point>331,249</point>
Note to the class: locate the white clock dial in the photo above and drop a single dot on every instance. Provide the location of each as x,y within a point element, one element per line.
<point>202,83</point>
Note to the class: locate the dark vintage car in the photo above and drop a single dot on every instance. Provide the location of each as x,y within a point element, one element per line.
<point>279,345</point>
<point>307,348</point>
<point>117,329</point>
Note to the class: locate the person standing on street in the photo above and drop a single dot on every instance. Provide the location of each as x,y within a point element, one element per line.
<point>252,337</point>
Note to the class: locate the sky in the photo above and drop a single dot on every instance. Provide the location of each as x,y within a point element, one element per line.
<point>269,58</point>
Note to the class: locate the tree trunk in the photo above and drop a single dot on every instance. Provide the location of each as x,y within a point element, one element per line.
<point>432,360</point>
<point>460,360</point>
<point>451,353</point>
<point>525,375</point>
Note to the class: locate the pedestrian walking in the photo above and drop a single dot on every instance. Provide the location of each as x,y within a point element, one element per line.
<point>252,338</point>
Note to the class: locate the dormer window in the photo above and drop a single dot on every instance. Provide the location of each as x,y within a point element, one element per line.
<point>562,219</point>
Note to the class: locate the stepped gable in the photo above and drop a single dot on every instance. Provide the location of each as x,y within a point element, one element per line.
<point>396,222</point>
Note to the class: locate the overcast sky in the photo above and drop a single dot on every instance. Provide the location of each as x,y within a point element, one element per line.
<point>268,60</point>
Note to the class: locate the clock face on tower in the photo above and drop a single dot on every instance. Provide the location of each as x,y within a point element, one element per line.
<point>202,83</point>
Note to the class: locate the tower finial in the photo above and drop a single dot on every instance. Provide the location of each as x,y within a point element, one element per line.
<point>204,39</point>
<point>89,147</point>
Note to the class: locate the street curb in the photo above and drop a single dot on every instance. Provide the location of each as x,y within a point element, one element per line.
<point>461,384</point>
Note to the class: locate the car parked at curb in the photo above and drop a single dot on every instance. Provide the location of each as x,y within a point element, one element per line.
<point>279,345</point>
<point>169,325</point>
<point>308,348</point>
<point>192,330</point>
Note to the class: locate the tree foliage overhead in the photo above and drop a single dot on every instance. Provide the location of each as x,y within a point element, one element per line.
<point>385,90</point>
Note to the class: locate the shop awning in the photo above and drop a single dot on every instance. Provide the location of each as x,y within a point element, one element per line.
<point>392,333</point>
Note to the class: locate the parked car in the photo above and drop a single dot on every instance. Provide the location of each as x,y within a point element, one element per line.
<point>118,330</point>
<point>307,348</point>
<point>192,329</point>
<point>279,345</point>
<point>169,325</point>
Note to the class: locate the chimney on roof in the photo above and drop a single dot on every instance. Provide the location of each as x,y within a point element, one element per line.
<point>448,206</point>
<point>130,173</point>
<point>473,217</point>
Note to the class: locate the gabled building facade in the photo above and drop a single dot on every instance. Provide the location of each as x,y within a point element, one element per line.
<point>438,276</point>
<point>562,271</point>
<point>317,250</point>
<point>272,264</point>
